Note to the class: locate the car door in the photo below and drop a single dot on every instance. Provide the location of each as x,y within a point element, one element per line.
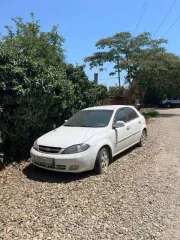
<point>134,125</point>
<point>121,134</point>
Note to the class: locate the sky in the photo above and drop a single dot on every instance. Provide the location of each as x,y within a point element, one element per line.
<point>83,22</point>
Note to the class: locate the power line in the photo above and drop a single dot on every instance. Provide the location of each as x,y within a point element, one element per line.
<point>170,27</point>
<point>107,78</point>
<point>141,15</point>
<point>165,17</point>
<point>108,66</point>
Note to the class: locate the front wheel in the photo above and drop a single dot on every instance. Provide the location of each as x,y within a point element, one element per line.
<point>102,161</point>
<point>143,139</point>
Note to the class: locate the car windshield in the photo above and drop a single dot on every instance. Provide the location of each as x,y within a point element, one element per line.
<point>90,118</point>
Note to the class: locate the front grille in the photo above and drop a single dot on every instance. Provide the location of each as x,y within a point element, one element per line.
<point>62,167</point>
<point>42,165</point>
<point>47,149</point>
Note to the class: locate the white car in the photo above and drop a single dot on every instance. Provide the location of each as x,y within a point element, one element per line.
<point>90,139</point>
<point>171,102</point>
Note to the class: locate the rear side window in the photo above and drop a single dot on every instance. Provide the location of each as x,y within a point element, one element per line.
<point>121,116</point>
<point>131,113</point>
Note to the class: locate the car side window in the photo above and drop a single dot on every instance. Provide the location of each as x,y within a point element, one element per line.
<point>131,113</point>
<point>175,98</point>
<point>121,116</point>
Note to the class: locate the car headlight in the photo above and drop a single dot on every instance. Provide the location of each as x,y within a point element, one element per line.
<point>76,148</point>
<point>35,146</point>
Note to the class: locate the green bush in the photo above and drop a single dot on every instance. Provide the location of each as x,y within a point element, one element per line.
<point>38,88</point>
<point>150,113</point>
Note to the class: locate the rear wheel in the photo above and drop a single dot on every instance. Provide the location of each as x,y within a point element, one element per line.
<point>142,142</point>
<point>102,161</point>
<point>169,105</point>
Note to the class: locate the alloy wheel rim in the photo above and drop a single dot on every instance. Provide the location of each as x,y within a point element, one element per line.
<point>104,160</point>
<point>143,138</point>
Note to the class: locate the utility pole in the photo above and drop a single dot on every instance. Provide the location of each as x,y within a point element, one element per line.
<point>119,72</point>
<point>119,77</point>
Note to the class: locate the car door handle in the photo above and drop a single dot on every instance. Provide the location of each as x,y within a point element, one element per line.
<point>139,122</point>
<point>127,127</point>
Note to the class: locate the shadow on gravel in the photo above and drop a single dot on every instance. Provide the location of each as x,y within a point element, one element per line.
<point>119,156</point>
<point>42,175</point>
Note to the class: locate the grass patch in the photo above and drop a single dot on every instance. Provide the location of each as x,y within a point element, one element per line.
<point>149,112</point>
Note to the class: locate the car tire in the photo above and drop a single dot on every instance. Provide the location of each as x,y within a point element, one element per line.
<point>102,161</point>
<point>169,105</point>
<point>142,141</point>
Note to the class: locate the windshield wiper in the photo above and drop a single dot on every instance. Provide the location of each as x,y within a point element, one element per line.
<point>91,126</point>
<point>68,125</point>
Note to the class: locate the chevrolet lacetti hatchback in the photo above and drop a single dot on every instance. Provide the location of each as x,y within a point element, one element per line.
<point>90,139</point>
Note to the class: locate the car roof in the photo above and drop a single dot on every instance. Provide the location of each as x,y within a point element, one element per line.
<point>107,107</point>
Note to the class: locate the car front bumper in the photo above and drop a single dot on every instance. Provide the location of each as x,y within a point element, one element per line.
<point>62,162</point>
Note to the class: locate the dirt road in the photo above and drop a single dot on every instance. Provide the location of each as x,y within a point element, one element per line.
<point>138,198</point>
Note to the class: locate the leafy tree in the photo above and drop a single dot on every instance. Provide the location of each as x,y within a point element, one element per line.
<point>27,39</point>
<point>160,79</point>
<point>126,52</point>
<point>151,72</point>
<point>33,85</point>
<point>86,93</point>
<point>37,88</point>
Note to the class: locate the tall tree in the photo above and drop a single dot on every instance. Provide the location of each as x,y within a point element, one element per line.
<point>33,85</point>
<point>38,89</point>
<point>160,78</point>
<point>125,52</point>
<point>86,93</point>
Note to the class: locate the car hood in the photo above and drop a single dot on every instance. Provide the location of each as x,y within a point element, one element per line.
<point>64,137</point>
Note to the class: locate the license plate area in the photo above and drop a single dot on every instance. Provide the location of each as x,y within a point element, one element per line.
<point>43,161</point>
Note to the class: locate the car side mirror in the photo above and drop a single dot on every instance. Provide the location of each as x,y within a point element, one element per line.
<point>119,124</point>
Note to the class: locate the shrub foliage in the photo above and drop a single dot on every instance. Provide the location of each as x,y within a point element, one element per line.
<point>38,89</point>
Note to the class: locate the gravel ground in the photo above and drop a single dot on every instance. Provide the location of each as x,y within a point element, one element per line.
<point>138,198</point>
